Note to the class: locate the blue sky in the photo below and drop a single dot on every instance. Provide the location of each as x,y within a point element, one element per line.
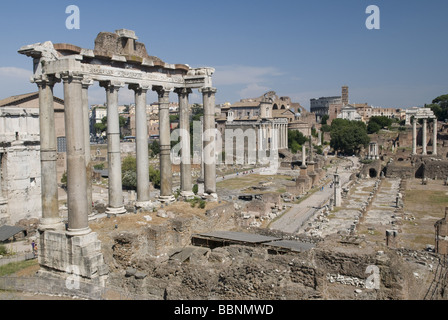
<point>301,49</point>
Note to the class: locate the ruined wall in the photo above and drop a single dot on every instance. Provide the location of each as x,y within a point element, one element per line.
<point>22,182</point>
<point>436,170</point>
<point>239,272</point>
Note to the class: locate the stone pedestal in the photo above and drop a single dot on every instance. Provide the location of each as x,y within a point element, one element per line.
<point>60,253</point>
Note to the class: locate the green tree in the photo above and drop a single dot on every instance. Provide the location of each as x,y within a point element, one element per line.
<point>295,140</point>
<point>377,123</point>
<point>154,148</point>
<point>348,136</point>
<point>440,107</point>
<point>129,174</point>
<point>154,177</point>
<point>324,119</point>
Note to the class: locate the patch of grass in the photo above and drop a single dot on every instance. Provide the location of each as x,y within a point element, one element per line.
<point>15,267</point>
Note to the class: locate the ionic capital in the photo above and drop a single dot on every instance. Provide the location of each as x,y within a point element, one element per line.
<point>71,77</point>
<point>163,93</point>
<point>183,91</point>
<point>112,85</point>
<point>208,90</point>
<point>139,88</point>
<point>86,83</point>
<point>44,80</point>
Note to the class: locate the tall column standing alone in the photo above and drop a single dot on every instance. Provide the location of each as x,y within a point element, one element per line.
<point>166,171</point>
<point>113,149</point>
<point>209,141</point>
<point>186,186</point>
<point>78,223</point>
<point>50,208</point>
<point>141,128</point>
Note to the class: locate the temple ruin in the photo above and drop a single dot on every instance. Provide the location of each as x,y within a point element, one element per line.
<point>117,60</point>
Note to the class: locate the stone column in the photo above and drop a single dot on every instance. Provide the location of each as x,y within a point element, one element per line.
<point>414,136</point>
<point>337,191</point>
<point>425,141</point>
<point>304,156</point>
<point>166,170</point>
<point>48,156</point>
<point>115,206</point>
<point>434,144</point>
<point>77,202</point>
<point>85,107</point>
<point>186,185</point>
<point>141,128</point>
<point>209,141</point>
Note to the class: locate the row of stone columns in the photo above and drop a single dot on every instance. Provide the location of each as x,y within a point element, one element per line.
<point>424,137</point>
<point>373,151</point>
<point>281,136</point>
<point>79,185</point>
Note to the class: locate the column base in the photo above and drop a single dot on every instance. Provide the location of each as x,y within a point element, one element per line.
<point>52,224</point>
<point>143,204</point>
<point>187,194</point>
<point>212,197</point>
<point>112,212</point>
<point>167,199</point>
<point>78,232</point>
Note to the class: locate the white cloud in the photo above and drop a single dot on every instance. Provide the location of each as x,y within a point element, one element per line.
<point>243,75</point>
<point>253,90</point>
<point>16,73</point>
<point>15,81</point>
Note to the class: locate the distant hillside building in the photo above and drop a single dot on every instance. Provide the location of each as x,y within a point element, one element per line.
<point>321,106</point>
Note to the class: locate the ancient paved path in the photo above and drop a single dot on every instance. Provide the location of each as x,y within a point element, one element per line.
<point>292,220</point>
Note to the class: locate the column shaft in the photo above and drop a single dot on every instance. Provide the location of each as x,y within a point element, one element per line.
<point>76,157</point>
<point>414,136</point>
<point>209,140</point>
<point>434,144</point>
<point>113,150</point>
<point>185,166</point>
<point>49,184</point>
<point>141,128</point>
<point>425,141</point>
<point>85,108</point>
<point>166,170</point>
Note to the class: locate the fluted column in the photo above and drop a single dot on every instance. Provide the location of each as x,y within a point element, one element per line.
<point>166,170</point>
<point>76,157</point>
<point>141,128</point>
<point>209,141</point>
<point>425,141</point>
<point>186,186</point>
<point>414,136</point>
<point>116,205</point>
<point>434,144</point>
<point>48,156</point>
<point>86,83</point>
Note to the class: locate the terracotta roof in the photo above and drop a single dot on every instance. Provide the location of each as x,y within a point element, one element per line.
<point>253,104</point>
<point>17,100</point>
